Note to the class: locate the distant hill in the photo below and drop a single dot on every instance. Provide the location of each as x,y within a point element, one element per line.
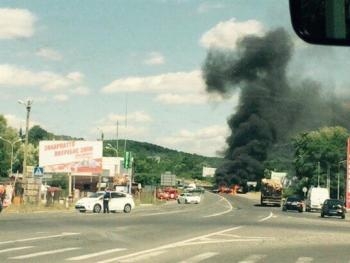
<point>145,149</point>
<point>150,160</point>
<point>153,159</point>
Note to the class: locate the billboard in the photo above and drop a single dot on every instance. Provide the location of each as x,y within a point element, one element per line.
<point>75,157</point>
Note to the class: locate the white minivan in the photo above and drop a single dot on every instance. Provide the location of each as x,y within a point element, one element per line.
<point>315,198</point>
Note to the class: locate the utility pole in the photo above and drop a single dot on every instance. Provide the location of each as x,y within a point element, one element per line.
<point>126,122</point>
<point>27,105</point>
<point>318,174</point>
<point>117,137</point>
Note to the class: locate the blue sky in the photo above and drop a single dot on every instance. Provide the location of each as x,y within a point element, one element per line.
<point>86,63</point>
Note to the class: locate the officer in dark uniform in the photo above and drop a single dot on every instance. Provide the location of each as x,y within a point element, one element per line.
<point>106,197</point>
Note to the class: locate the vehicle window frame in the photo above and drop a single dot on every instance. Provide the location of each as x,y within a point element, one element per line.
<point>300,28</point>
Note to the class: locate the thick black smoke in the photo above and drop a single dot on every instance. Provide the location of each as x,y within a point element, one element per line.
<point>270,109</point>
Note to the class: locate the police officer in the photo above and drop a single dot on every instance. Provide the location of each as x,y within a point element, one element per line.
<point>106,197</point>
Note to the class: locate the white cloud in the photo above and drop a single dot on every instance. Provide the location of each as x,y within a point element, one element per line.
<point>49,54</point>
<point>80,91</point>
<point>226,34</point>
<point>170,82</point>
<point>136,125</point>
<point>45,80</point>
<point>61,97</point>
<point>171,98</point>
<point>16,23</point>
<point>155,58</point>
<point>206,7</point>
<point>13,121</point>
<point>133,117</point>
<point>75,76</point>
<point>207,141</point>
<point>171,88</point>
<point>17,122</point>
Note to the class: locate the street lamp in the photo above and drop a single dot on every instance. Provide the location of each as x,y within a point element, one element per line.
<point>27,105</point>
<point>110,147</point>
<point>102,134</point>
<point>12,146</point>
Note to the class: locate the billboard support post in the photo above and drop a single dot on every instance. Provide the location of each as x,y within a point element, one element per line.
<point>70,184</point>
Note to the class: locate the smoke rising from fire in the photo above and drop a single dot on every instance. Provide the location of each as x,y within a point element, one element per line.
<point>271,108</point>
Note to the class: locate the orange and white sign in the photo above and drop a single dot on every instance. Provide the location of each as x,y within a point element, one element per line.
<point>76,157</point>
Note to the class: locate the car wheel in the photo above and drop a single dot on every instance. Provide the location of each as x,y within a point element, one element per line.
<point>127,208</point>
<point>343,216</point>
<point>97,208</point>
<point>322,214</point>
<point>300,210</point>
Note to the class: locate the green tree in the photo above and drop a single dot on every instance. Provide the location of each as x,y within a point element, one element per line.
<point>10,135</point>
<point>318,154</point>
<point>37,134</point>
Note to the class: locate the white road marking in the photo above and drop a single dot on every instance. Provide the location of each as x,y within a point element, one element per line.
<point>216,241</point>
<point>172,245</point>
<point>200,257</point>
<point>224,212</point>
<point>163,213</point>
<point>266,218</point>
<point>304,260</point>
<point>252,259</point>
<point>38,238</point>
<point>105,252</point>
<point>143,257</point>
<point>14,249</point>
<point>50,252</point>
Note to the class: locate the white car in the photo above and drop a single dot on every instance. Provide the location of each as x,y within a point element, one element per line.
<point>94,203</point>
<point>188,198</point>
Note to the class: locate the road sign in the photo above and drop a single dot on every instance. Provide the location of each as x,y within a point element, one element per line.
<point>127,160</point>
<point>38,171</point>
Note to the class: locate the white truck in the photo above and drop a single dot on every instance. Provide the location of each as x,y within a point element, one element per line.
<point>315,198</point>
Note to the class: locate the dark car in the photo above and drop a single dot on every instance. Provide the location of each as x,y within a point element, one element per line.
<point>295,203</point>
<point>333,207</point>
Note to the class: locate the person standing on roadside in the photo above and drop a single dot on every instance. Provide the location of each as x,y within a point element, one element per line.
<point>106,198</point>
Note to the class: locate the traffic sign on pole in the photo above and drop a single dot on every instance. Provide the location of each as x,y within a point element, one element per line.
<point>38,171</point>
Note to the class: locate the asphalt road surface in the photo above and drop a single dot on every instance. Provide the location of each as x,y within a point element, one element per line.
<point>219,229</point>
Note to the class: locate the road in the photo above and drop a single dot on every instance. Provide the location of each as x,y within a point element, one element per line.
<point>219,229</point>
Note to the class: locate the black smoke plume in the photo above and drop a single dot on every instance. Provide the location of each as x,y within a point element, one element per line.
<point>270,109</point>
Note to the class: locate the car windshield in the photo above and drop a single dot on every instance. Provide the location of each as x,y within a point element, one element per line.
<point>163,101</point>
<point>335,202</point>
<point>293,199</point>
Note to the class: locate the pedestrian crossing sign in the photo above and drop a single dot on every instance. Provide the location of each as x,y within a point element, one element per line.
<point>38,171</point>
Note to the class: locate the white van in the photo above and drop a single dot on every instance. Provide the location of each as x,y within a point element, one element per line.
<point>315,198</point>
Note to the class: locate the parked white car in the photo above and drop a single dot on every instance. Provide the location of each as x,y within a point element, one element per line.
<point>188,198</point>
<point>94,203</point>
